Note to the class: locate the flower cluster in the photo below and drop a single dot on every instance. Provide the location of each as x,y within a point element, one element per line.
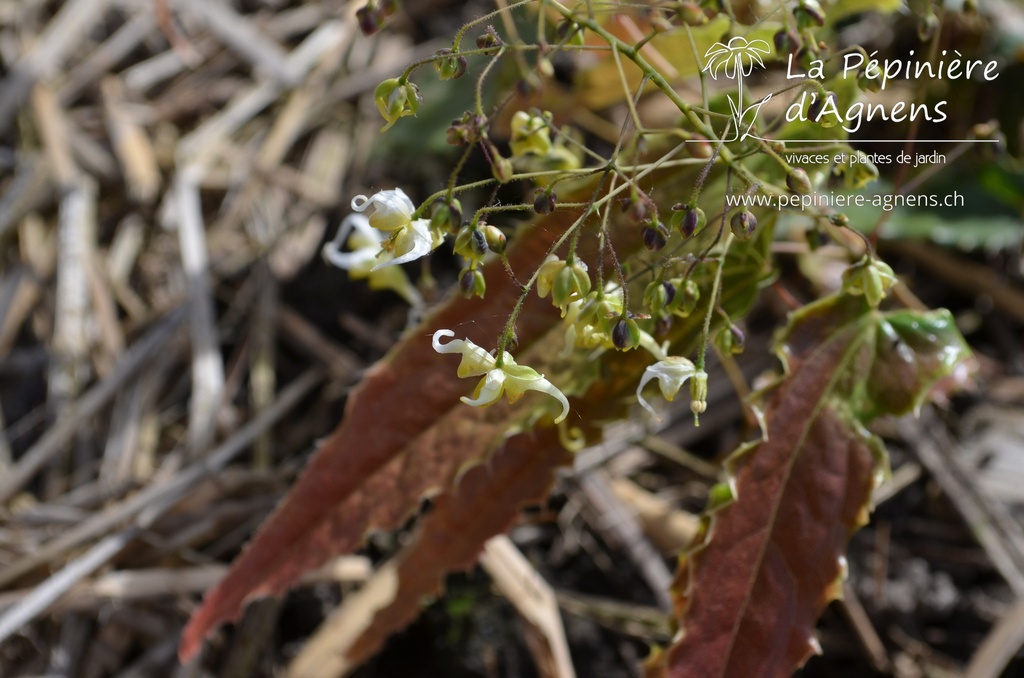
<point>532,148</point>
<point>593,324</point>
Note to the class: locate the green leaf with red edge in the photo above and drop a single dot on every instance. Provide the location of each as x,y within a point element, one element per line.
<point>750,594</point>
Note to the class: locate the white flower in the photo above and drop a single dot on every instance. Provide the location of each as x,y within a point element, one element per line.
<point>392,211</point>
<point>672,372</point>
<point>366,259</point>
<point>511,379</point>
<point>409,243</point>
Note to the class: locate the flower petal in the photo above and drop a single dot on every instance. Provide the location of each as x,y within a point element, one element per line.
<point>545,386</point>
<point>475,360</point>
<point>358,261</point>
<point>391,209</point>
<point>414,241</point>
<point>488,390</point>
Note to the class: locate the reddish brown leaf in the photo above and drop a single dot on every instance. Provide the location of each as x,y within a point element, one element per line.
<point>750,596</point>
<point>404,435</point>
<point>485,501</point>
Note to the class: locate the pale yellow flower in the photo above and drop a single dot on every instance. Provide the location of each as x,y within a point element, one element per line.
<point>511,379</point>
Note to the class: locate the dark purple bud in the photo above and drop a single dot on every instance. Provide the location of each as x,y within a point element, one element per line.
<point>814,111</point>
<point>743,224</point>
<point>544,202</point>
<point>369,20</point>
<point>489,41</point>
<point>654,238</point>
<point>479,241</point>
<point>670,292</point>
<point>626,334</point>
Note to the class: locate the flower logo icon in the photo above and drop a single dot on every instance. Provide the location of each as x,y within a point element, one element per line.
<point>736,58</point>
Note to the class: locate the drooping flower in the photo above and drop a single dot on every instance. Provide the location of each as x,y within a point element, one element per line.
<point>365,259</point>
<point>871,277</point>
<point>566,282</point>
<point>392,211</point>
<point>672,372</point>
<point>530,134</point>
<point>396,99</point>
<point>509,378</point>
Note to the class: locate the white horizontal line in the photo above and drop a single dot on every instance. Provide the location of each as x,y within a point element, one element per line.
<point>870,141</point>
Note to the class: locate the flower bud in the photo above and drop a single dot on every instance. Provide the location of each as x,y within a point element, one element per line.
<point>655,237</point>
<point>470,244</point>
<point>698,146</point>
<point>809,13</point>
<point>449,64</point>
<point>689,221</point>
<point>871,277</point>
<point>570,283</point>
<point>530,134</point>
<point>798,181</point>
<point>501,167</point>
<point>472,283</point>
<point>494,238</point>
<point>489,41</point>
<point>369,19</point>
<point>839,219</point>
<point>626,334</point>
<point>656,297</point>
<point>544,201</point>
<point>817,109</point>
<point>635,209</point>
<point>686,298</point>
<point>743,224</point>
<point>446,216</point>
<point>730,340</point>
<point>869,84</point>
<point>691,14</point>
<point>570,33</point>
<point>927,27</point>
<point>478,242</point>
<point>787,41</point>
<point>670,292</point>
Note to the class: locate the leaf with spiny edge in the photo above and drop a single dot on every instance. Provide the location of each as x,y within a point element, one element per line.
<point>767,562</point>
<point>405,435</point>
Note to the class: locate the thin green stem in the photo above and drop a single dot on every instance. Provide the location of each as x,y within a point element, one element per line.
<point>713,302</point>
<point>481,19</point>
